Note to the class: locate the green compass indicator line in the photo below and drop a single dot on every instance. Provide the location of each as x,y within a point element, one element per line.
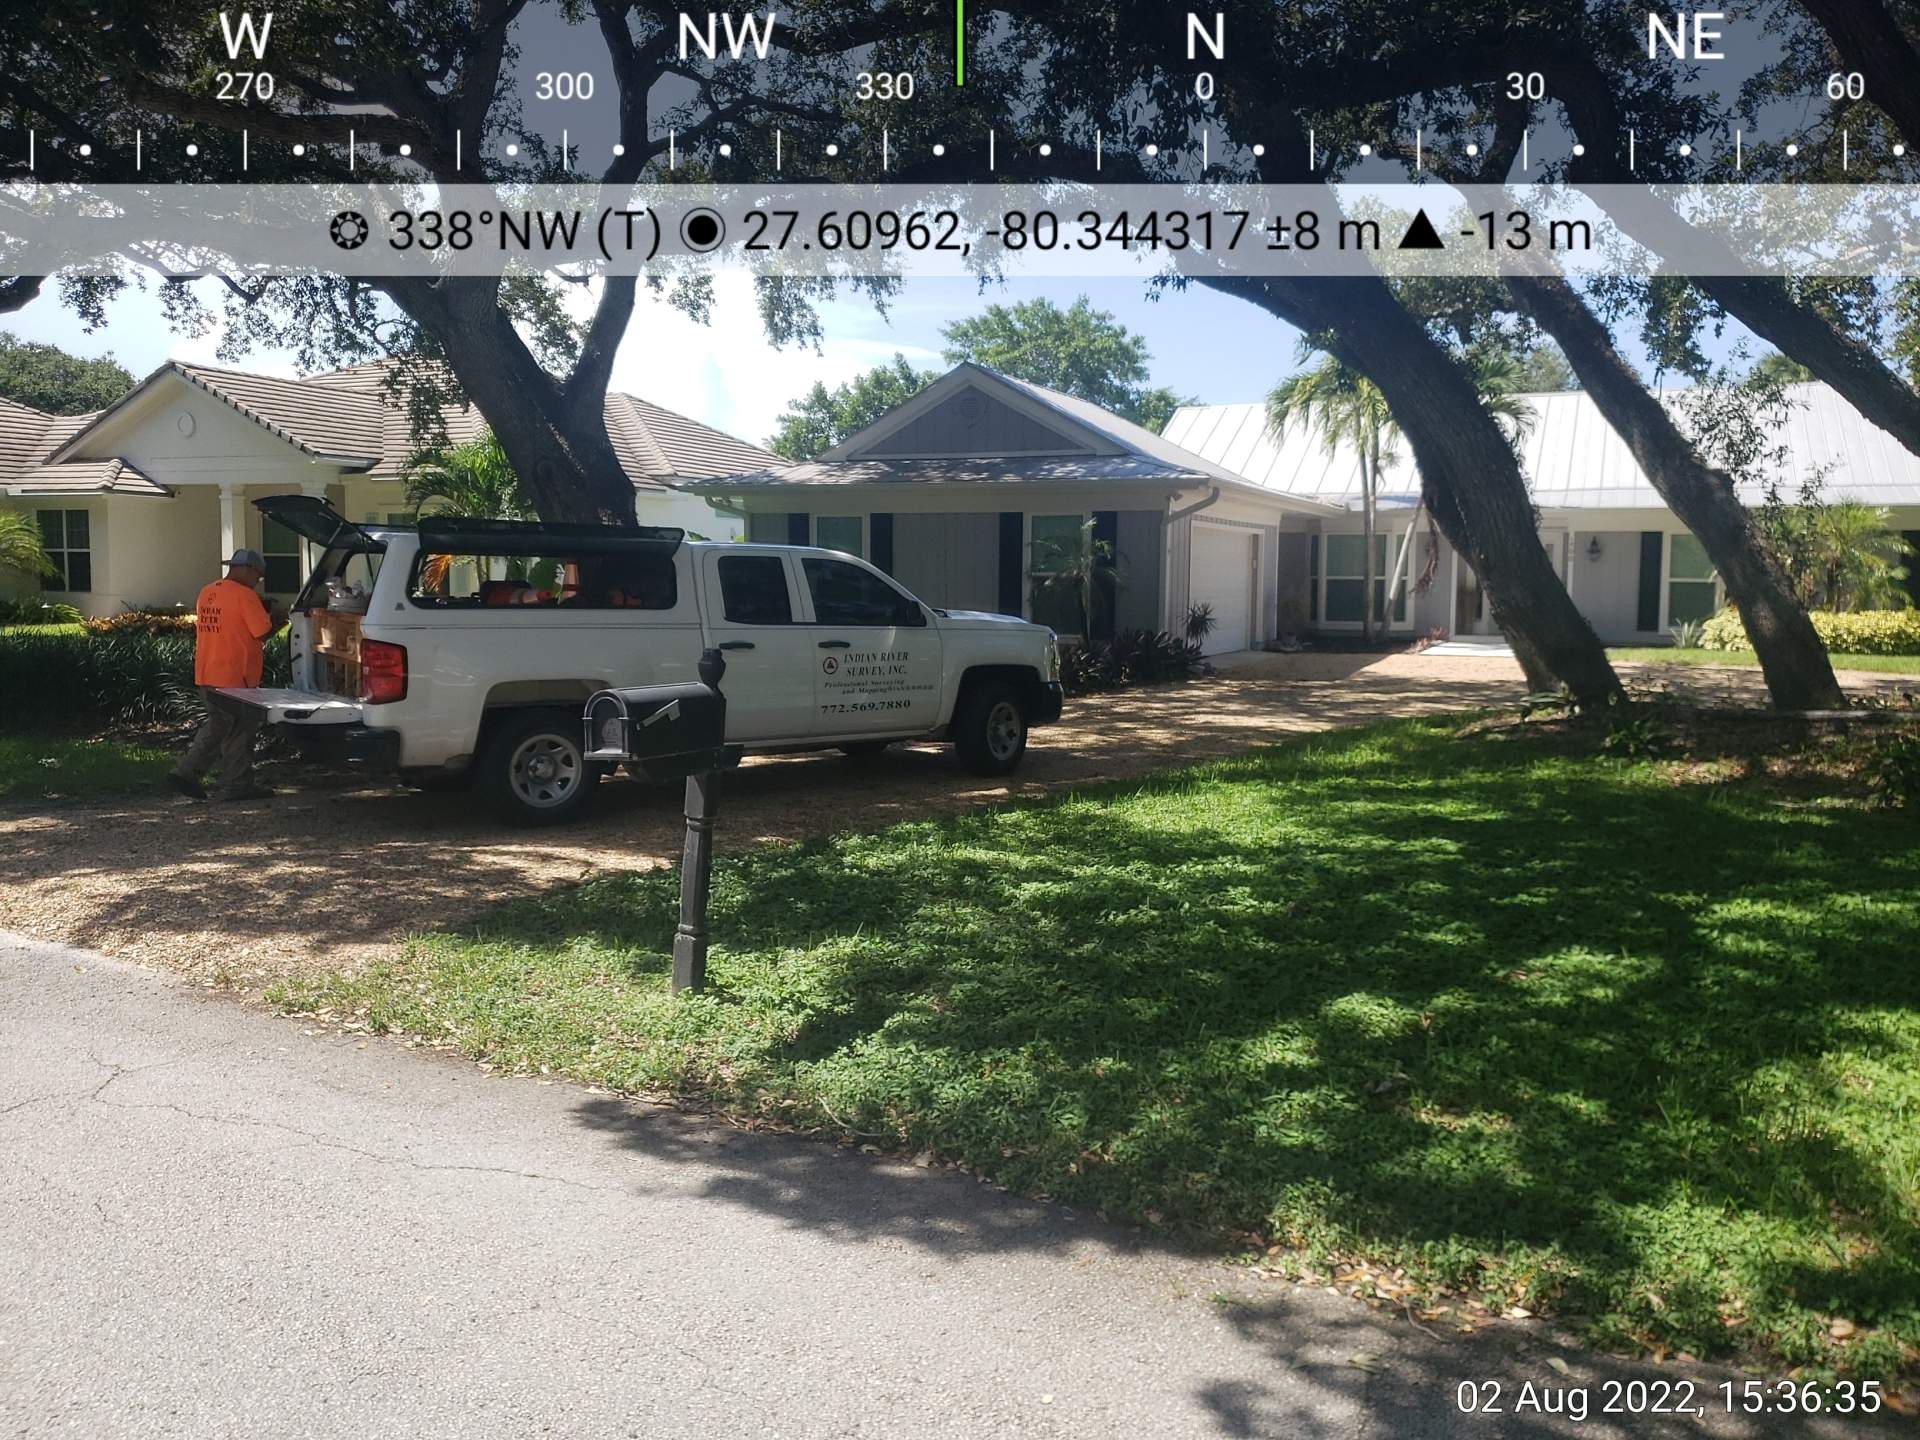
<point>959,42</point>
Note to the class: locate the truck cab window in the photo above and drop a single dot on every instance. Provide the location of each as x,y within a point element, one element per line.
<point>753,590</point>
<point>845,594</point>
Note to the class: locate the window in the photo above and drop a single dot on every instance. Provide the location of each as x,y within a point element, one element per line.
<point>1346,581</point>
<point>838,532</point>
<point>753,590</point>
<point>281,549</point>
<point>621,581</point>
<point>845,594</point>
<point>1692,592</point>
<point>69,543</point>
<point>1058,544</point>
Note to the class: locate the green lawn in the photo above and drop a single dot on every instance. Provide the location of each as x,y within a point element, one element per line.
<point>34,767</point>
<point>1611,1039</point>
<point>57,629</point>
<point>1671,655</point>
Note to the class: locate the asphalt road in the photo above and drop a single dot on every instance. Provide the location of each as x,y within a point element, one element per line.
<point>212,1224</point>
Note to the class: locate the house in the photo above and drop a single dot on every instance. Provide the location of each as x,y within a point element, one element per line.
<point>1630,566</point>
<point>140,502</point>
<point>976,492</point>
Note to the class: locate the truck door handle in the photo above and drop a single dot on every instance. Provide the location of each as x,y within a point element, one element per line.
<point>836,644</point>
<point>736,645</point>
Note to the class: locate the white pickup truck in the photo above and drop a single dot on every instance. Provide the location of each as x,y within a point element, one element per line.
<point>458,651</point>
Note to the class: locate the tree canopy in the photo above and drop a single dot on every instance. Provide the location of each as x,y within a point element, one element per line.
<point>1079,351</point>
<point>822,418</point>
<point>56,383</point>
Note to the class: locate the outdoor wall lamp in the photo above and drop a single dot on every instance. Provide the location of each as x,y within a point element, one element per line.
<point>1593,548</point>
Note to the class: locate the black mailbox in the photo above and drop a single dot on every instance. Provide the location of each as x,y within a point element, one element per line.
<point>669,731</point>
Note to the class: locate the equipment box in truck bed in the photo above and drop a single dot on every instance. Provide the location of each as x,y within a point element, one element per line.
<point>482,639</point>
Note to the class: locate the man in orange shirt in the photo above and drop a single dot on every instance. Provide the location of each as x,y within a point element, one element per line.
<point>229,624</point>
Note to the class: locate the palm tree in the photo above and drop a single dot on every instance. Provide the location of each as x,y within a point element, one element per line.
<point>1347,408</point>
<point>471,481</point>
<point>474,481</point>
<point>22,548</point>
<point>1842,556</point>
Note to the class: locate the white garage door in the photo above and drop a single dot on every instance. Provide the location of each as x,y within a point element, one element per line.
<point>1223,570</point>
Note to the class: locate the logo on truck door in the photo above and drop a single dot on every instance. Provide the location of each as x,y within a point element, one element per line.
<point>830,666</point>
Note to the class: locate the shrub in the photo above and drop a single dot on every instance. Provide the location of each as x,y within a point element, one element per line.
<point>1686,634</point>
<point>1843,632</point>
<point>1133,657</point>
<point>89,680</point>
<point>37,612</point>
<point>1894,774</point>
<point>141,622</point>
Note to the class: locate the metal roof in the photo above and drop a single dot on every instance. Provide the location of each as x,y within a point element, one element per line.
<point>1572,457</point>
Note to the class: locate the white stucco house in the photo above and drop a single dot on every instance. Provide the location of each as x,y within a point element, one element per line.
<point>963,491</point>
<point>140,502</point>
<point>1629,564</point>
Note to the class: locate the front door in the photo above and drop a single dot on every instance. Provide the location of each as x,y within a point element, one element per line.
<point>749,598</point>
<point>876,656</point>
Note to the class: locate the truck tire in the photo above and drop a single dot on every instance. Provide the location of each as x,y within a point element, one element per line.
<point>990,728</point>
<point>532,770</point>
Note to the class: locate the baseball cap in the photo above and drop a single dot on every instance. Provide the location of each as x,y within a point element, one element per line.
<point>251,559</point>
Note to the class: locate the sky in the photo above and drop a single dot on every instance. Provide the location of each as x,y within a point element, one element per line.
<point>1203,345</point>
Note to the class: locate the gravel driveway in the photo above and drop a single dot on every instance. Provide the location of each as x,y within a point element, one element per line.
<point>325,878</point>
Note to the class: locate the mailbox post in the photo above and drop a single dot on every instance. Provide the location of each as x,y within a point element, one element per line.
<point>667,731</point>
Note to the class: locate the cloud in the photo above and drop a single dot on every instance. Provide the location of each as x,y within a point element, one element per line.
<point>728,375</point>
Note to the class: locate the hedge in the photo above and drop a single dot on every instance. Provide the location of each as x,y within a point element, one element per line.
<point>58,681</point>
<point>1843,632</point>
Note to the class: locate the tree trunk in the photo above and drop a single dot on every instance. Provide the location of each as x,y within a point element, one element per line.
<point>553,432</point>
<point>1469,476</point>
<point>1369,479</point>
<point>1844,361</point>
<point>1799,675</point>
<point>17,290</point>
<point>1760,302</point>
<point>1868,39</point>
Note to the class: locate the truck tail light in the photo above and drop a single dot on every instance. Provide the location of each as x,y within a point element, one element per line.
<point>383,672</point>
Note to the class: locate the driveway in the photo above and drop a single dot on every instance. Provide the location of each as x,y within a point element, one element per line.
<point>217,1226</point>
<point>328,877</point>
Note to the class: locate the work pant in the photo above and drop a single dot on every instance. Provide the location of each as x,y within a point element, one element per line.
<point>228,737</point>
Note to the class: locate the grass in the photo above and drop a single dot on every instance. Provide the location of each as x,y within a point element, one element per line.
<point>39,767</point>
<point>1673,655</point>
<point>1633,1042</point>
<point>57,629</point>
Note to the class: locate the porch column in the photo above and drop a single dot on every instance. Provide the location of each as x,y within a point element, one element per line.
<point>231,518</point>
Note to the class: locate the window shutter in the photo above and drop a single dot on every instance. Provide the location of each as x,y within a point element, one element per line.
<point>799,528</point>
<point>1649,616</point>
<point>1012,568</point>
<point>880,539</point>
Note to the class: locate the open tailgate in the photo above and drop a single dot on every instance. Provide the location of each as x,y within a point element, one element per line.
<point>290,707</point>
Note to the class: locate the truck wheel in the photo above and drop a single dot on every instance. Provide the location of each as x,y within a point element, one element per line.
<point>533,771</point>
<point>990,729</point>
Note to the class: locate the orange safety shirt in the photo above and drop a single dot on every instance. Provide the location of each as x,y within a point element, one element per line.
<point>229,624</point>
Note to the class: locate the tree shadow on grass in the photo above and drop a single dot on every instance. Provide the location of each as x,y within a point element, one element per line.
<point>1518,1005</point>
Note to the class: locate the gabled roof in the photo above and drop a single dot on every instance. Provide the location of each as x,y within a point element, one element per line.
<point>1571,456</point>
<point>350,419</point>
<point>1098,448</point>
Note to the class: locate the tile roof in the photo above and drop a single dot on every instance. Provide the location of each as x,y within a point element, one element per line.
<point>82,477</point>
<point>348,417</point>
<point>1572,457</point>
